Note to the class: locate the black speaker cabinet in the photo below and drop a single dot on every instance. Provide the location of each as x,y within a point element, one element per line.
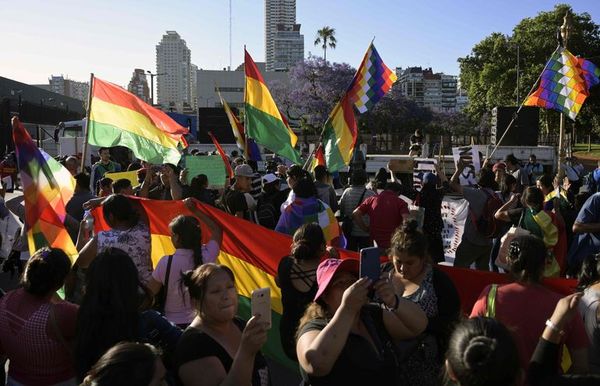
<point>214,119</point>
<point>523,132</point>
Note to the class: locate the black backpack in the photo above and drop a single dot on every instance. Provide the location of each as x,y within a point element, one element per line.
<point>266,212</point>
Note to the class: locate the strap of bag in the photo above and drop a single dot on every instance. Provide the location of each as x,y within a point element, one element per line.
<point>168,274</point>
<point>361,197</point>
<point>56,330</point>
<point>490,311</point>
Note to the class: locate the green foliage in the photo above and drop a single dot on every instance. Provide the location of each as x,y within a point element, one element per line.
<point>488,73</point>
<point>326,38</point>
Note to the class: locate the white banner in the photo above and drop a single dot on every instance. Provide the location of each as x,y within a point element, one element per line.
<point>470,155</point>
<point>422,166</point>
<point>454,215</point>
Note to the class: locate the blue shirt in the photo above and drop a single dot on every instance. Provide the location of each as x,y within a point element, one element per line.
<point>585,244</point>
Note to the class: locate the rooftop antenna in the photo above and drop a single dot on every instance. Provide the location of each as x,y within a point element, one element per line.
<point>229,68</point>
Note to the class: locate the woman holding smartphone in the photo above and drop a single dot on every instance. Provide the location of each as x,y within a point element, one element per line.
<point>218,348</point>
<point>343,340</point>
<point>416,279</point>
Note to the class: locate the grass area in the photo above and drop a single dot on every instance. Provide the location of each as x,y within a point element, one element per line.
<point>581,150</point>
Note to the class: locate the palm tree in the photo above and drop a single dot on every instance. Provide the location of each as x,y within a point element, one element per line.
<point>326,35</point>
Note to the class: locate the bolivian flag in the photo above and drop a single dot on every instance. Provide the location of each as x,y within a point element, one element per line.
<point>119,118</point>
<point>251,251</point>
<point>264,122</point>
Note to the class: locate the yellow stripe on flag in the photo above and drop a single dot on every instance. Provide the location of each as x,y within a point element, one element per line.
<point>131,176</point>
<point>129,120</point>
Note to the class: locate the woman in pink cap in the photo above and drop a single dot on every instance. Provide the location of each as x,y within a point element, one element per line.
<point>345,340</point>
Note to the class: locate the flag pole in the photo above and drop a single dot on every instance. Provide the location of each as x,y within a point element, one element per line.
<point>565,32</point>
<point>87,123</point>
<point>516,114</point>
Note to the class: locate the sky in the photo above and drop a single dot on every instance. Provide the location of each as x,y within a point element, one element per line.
<point>113,37</point>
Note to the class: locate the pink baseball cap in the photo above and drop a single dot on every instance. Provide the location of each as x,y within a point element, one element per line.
<point>328,268</point>
<point>499,165</point>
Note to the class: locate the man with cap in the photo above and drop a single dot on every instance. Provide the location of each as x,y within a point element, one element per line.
<point>499,170</point>
<point>236,200</point>
<point>269,202</point>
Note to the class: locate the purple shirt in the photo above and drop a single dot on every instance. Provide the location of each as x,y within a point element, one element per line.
<point>178,307</point>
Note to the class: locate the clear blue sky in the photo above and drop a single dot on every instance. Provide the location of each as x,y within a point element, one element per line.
<point>111,38</point>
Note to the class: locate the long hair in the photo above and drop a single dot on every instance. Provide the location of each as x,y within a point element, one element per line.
<point>315,310</point>
<point>109,310</point>
<point>125,364</point>
<point>187,228</point>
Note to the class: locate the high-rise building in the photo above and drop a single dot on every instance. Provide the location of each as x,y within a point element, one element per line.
<point>173,62</point>
<point>436,91</point>
<point>284,45</point>
<point>138,85</point>
<point>68,87</point>
<point>194,86</point>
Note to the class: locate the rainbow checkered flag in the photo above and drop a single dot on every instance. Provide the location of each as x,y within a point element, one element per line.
<point>372,81</point>
<point>565,83</point>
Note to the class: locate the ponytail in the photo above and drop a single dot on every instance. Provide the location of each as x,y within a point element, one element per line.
<point>187,229</point>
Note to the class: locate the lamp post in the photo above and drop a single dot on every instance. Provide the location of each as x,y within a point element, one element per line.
<point>152,84</point>
<point>565,32</point>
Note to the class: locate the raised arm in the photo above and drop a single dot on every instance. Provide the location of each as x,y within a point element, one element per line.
<point>216,232</point>
<point>319,350</point>
<point>502,213</point>
<point>454,180</point>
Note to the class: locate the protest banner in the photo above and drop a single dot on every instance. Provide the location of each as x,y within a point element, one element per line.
<point>470,155</point>
<point>9,228</point>
<point>422,166</point>
<point>454,215</point>
<point>131,176</point>
<point>212,166</point>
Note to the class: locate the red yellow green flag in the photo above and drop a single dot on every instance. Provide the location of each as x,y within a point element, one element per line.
<point>119,118</point>
<point>264,122</point>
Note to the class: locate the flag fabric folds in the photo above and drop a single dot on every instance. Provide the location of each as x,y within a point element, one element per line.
<point>247,145</point>
<point>339,135</point>
<point>263,121</point>
<point>251,251</point>
<point>372,81</point>
<point>228,167</point>
<point>47,187</point>
<point>309,210</point>
<point>564,83</point>
<point>318,158</point>
<point>119,118</point>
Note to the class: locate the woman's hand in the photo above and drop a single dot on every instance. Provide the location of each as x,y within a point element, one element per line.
<point>191,203</point>
<point>356,295</point>
<point>254,336</point>
<point>565,309</point>
<point>385,291</point>
<point>332,252</point>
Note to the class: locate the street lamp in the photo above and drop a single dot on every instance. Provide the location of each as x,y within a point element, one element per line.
<point>152,84</point>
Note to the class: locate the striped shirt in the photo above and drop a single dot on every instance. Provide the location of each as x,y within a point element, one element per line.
<point>349,202</point>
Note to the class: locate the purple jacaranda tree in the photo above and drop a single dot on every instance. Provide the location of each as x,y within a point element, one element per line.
<point>314,87</point>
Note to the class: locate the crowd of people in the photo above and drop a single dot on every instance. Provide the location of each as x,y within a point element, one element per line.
<point>112,318</point>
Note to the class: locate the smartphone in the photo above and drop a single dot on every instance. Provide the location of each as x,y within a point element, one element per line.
<point>261,304</point>
<point>370,265</point>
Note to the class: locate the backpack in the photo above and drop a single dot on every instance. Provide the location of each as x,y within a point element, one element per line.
<point>487,224</point>
<point>266,213</point>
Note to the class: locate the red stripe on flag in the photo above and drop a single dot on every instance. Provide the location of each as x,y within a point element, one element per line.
<point>251,69</point>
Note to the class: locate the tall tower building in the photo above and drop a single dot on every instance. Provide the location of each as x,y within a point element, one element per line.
<point>138,85</point>
<point>173,61</point>
<point>284,45</point>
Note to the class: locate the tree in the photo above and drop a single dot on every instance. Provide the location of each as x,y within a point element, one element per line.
<point>326,37</point>
<point>489,75</point>
<point>313,90</point>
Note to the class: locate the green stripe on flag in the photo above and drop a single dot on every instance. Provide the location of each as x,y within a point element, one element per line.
<point>270,132</point>
<point>101,134</point>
